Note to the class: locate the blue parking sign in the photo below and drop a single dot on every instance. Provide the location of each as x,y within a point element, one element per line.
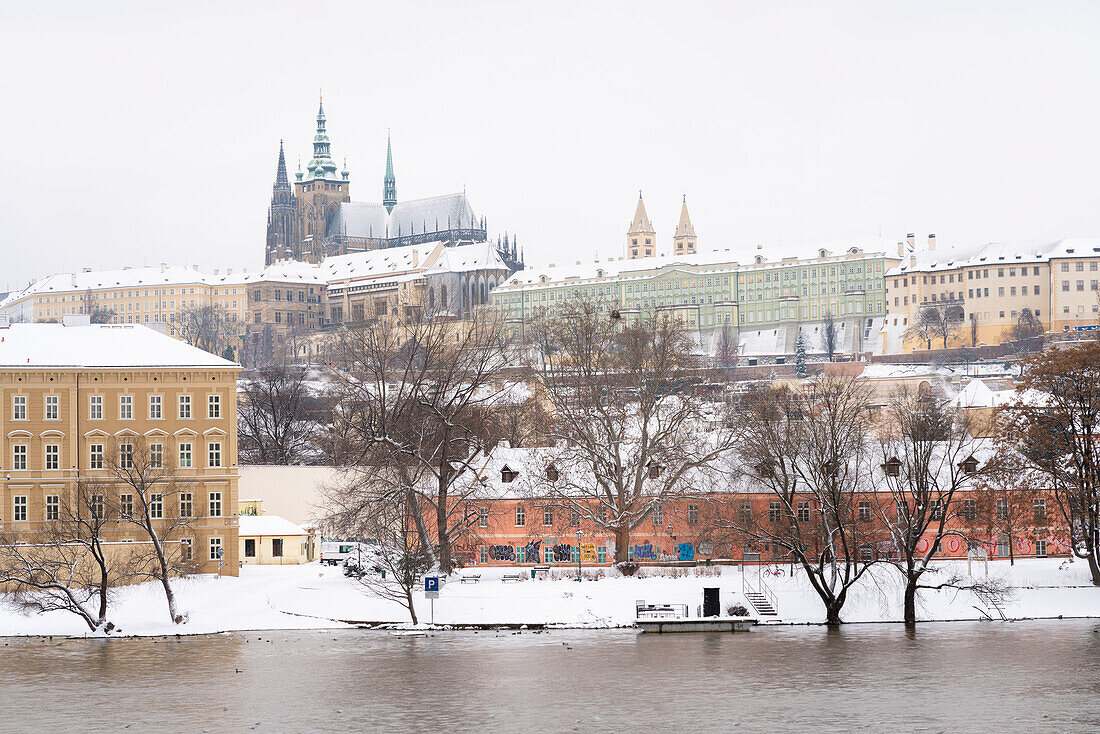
<point>431,583</point>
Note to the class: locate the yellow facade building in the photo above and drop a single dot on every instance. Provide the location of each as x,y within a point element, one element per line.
<point>77,400</point>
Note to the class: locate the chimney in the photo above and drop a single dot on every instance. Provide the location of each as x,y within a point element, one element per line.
<point>217,271</point>
<point>911,240</point>
<point>72,279</point>
<point>931,243</point>
<point>416,257</point>
<point>195,268</point>
<point>229,271</point>
<point>85,270</point>
<point>901,249</point>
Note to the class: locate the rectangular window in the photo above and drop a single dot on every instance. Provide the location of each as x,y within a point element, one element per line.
<point>187,549</point>
<point>1002,510</point>
<point>1040,508</point>
<point>803,511</point>
<point>20,508</point>
<point>126,407</point>
<point>52,408</point>
<point>521,516</point>
<point>156,506</point>
<point>185,455</point>
<point>186,505</point>
<point>1040,548</point>
<point>865,511</point>
<point>95,408</point>
<point>185,407</point>
<point>521,554</point>
<point>214,454</point>
<point>937,510</point>
<point>658,515</point>
<point>215,549</point>
<point>214,406</point>
<point>277,547</point>
<point>126,455</point>
<point>53,507</point>
<point>693,514</point>
<point>774,511</point>
<point>156,455</point>
<point>53,456</point>
<point>483,517</point>
<point>970,509</point>
<point>19,408</point>
<point>19,457</point>
<point>98,511</point>
<point>548,516</point>
<point>249,547</point>
<point>126,505</point>
<point>215,504</point>
<point>156,407</point>
<point>574,518</point>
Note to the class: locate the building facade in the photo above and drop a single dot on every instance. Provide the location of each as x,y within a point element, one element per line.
<point>72,396</point>
<point>987,292</point>
<point>764,303</point>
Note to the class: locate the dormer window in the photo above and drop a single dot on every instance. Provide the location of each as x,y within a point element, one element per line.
<point>654,470</point>
<point>508,475</point>
<point>970,465</point>
<point>892,467</point>
<point>552,473</point>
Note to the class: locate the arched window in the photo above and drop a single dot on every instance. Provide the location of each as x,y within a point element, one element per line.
<point>443,296</point>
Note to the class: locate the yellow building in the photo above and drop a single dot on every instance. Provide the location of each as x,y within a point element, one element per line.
<point>271,540</point>
<point>985,291</point>
<point>77,399</point>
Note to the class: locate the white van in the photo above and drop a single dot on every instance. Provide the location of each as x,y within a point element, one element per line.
<point>333,552</point>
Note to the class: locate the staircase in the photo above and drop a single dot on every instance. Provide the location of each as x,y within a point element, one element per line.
<point>761,603</point>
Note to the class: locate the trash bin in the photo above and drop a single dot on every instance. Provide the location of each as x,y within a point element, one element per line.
<point>383,574</point>
<point>708,562</point>
<point>532,573</point>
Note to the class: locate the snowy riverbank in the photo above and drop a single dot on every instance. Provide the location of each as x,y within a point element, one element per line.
<point>311,596</point>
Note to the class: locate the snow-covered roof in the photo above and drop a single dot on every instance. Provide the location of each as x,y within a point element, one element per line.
<point>104,279</point>
<point>725,260</point>
<point>465,258</point>
<point>284,271</point>
<point>432,214</point>
<point>378,263</point>
<point>267,525</point>
<point>994,253</point>
<point>29,346</point>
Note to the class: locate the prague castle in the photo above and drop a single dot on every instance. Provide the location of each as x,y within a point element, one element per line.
<point>314,217</point>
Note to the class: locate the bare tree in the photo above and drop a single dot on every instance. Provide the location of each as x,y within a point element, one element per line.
<point>150,499</point>
<point>829,335</point>
<point>67,565</point>
<point>1004,498</point>
<point>727,352</point>
<point>277,416</point>
<point>1057,430</point>
<point>631,422</point>
<point>211,328</point>
<point>810,453</point>
<point>414,397</point>
<point>934,323</point>
<point>926,461</point>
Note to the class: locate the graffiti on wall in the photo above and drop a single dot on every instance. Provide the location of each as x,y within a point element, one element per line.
<point>588,553</point>
<point>563,553</point>
<point>531,551</point>
<point>502,553</point>
<point>687,552</point>
<point>645,552</point>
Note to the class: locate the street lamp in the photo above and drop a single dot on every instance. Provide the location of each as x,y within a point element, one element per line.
<point>578,554</point>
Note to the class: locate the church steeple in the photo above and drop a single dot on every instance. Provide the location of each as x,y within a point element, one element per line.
<point>389,185</point>
<point>322,166</point>
<point>280,215</point>
<point>683,241</point>
<point>640,238</point>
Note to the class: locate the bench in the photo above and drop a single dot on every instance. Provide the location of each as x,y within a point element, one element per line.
<point>541,570</point>
<point>471,579</point>
<point>511,577</point>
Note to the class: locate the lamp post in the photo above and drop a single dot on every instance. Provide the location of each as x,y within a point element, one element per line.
<point>578,555</point>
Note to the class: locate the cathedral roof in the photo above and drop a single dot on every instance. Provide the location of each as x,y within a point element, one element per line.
<point>433,214</point>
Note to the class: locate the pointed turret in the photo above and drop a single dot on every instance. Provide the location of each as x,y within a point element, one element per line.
<point>280,216</point>
<point>640,238</point>
<point>389,185</point>
<point>683,242</point>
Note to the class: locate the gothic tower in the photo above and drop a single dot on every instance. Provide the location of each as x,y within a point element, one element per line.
<point>683,242</point>
<point>389,185</point>
<point>319,192</point>
<point>280,216</point>
<point>640,238</point>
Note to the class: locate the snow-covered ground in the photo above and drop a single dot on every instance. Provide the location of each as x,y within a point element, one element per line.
<point>311,596</point>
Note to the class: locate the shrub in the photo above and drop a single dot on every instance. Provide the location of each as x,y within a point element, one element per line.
<point>627,568</point>
<point>737,610</point>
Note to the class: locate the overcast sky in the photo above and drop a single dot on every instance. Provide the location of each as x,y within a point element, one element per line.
<point>149,132</point>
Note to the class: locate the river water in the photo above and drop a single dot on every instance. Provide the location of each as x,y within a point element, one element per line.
<point>972,677</point>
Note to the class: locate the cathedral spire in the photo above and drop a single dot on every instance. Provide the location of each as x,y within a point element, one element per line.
<point>389,185</point>
<point>322,166</point>
<point>281,180</point>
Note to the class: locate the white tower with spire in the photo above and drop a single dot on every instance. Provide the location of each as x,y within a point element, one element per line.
<point>641,239</point>
<point>683,242</point>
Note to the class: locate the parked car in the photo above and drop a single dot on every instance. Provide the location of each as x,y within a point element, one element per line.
<point>334,552</point>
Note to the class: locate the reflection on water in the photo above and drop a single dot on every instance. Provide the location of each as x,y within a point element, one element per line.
<point>1037,676</point>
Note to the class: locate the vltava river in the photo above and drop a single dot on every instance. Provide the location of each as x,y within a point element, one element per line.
<point>972,677</point>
